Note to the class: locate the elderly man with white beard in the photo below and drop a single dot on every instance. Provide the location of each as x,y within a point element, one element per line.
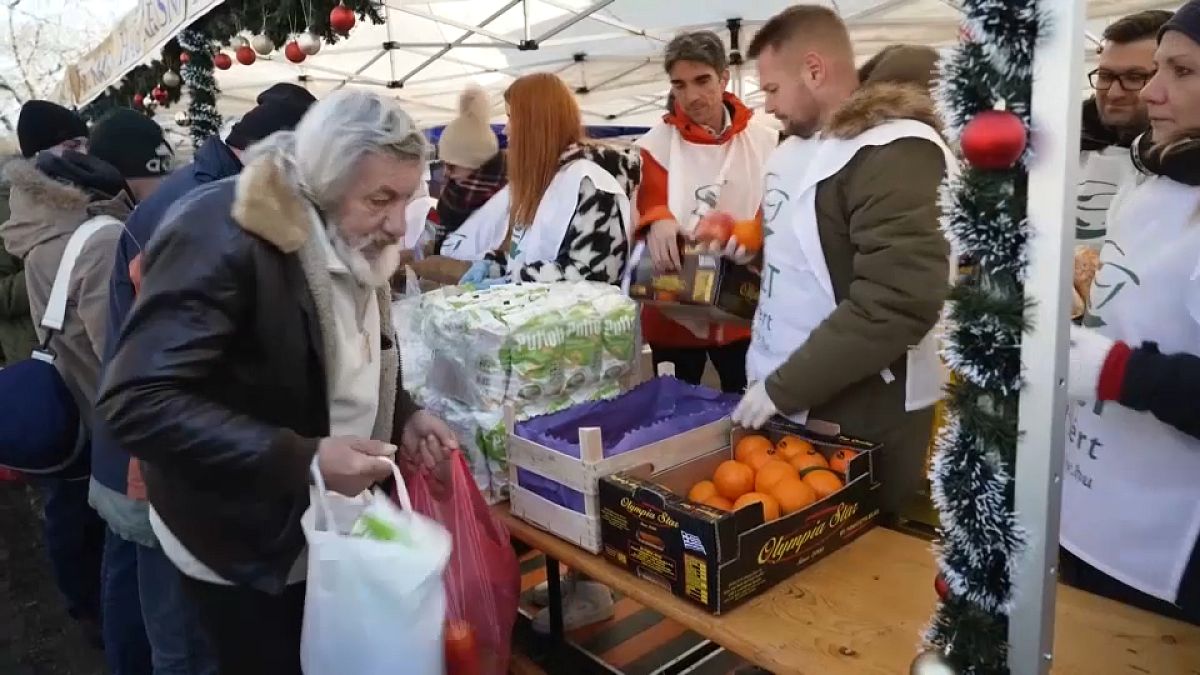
<point>260,345</point>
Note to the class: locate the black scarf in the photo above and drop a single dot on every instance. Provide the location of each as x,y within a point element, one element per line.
<point>1095,135</point>
<point>1178,160</point>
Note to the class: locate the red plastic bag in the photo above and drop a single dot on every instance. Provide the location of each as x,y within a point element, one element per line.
<point>483,578</point>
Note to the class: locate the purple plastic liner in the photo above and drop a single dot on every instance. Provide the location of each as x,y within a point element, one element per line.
<point>651,412</point>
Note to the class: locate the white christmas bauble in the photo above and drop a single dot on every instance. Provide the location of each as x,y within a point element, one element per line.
<point>171,79</point>
<point>238,42</point>
<point>182,119</point>
<point>931,662</point>
<point>262,44</point>
<point>309,43</point>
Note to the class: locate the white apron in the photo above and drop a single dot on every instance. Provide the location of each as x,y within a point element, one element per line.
<point>702,178</point>
<point>796,294</point>
<point>482,231</point>
<point>543,239</point>
<point>1131,494</point>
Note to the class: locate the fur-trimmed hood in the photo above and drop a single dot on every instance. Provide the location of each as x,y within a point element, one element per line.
<point>267,204</point>
<point>42,209</point>
<point>895,86</point>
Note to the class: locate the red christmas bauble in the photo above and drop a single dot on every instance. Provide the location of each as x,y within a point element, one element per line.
<point>160,94</point>
<point>994,140</point>
<point>222,61</point>
<point>293,52</point>
<point>246,55</point>
<point>341,19</point>
<point>184,57</point>
<point>940,585</point>
<point>139,100</point>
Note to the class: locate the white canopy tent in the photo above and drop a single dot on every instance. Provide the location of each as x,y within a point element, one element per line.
<point>610,51</point>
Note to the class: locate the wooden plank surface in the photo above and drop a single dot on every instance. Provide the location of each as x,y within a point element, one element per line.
<point>862,610</point>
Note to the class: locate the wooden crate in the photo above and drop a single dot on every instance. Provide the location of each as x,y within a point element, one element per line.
<point>583,474</point>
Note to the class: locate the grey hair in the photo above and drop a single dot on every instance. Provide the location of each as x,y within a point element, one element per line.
<point>702,46</point>
<point>334,135</point>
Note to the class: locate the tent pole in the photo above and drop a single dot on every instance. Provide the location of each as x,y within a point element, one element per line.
<point>580,16</point>
<point>387,18</point>
<point>1058,68</point>
<point>525,19</point>
<point>457,42</point>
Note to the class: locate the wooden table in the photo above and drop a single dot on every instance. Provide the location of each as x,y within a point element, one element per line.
<point>862,610</point>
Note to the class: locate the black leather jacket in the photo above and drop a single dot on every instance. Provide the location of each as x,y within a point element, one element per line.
<point>218,385</point>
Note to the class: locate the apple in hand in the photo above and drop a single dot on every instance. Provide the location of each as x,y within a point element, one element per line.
<point>714,226</point>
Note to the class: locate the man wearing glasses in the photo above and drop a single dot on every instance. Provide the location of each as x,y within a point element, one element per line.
<point>1114,117</point>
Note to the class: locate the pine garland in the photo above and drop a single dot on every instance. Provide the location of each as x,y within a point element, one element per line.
<point>198,76</point>
<point>985,216</point>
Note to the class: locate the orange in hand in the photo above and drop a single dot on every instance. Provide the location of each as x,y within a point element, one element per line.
<point>770,506</point>
<point>771,473</point>
<point>733,479</point>
<point>749,234</point>
<point>793,494</point>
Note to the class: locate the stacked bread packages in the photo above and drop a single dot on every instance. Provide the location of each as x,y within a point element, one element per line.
<point>540,348</point>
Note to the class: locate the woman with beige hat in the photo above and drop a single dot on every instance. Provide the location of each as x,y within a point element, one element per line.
<point>472,210</point>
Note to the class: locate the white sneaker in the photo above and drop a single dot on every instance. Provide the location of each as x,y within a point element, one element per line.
<point>590,603</point>
<point>540,594</point>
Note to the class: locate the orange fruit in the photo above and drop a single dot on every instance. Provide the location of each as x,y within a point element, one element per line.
<point>810,457</point>
<point>751,444</point>
<point>770,506</point>
<point>749,233</point>
<point>756,458</point>
<point>733,479</point>
<point>793,494</point>
<point>701,491</point>
<point>771,473</point>
<point>718,502</point>
<point>823,481</point>
<point>840,461</point>
<point>789,447</point>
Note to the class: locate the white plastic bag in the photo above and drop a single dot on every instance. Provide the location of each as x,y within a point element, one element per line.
<point>372,607</point>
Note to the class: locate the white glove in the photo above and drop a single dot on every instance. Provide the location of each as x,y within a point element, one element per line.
<point>732,250</point>
<point>1089,350</point>
<point>755,407</point>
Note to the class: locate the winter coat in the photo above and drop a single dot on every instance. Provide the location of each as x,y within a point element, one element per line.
<point>117,490</point>
<point>878,222</point>
<point>17,338</point>
<point>652,202</point>
<point>235,307</point>
<point>44,214</point>
<point>596,246</point>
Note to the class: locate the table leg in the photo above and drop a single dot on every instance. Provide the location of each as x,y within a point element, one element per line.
<point>554,586</point>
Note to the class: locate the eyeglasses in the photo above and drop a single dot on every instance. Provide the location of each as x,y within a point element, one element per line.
<point>1103,80</point>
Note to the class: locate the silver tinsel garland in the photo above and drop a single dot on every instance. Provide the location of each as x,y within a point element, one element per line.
<point>201,84</point>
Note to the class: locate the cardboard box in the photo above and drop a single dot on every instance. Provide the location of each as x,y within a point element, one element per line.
<point>719,559</point>
<point>708,287</point>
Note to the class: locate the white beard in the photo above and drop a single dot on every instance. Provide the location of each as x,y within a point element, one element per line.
<point>372,272</point>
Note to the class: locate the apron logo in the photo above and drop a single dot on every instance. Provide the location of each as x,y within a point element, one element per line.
<point>706,198</point>
<point>773,201</point>
<point>1111,288</point>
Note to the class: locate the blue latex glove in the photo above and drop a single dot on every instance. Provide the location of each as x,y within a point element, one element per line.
<point>491,283</point>
<point>477,273</point>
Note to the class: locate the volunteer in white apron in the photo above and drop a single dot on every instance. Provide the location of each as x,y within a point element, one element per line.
<point>855,268</point>
<point>1131,487</point>
<point>472,210</point>
<point>707,154</point>
<point>569,216</point>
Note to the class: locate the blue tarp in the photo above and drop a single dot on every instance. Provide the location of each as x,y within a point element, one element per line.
<point>435,133</point>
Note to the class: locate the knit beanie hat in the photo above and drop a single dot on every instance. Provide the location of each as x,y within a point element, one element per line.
<point>133,143</point>
<point>1186,21</point>
<point>468,140</point>
<point>43,125</point>
<point>279,109</point>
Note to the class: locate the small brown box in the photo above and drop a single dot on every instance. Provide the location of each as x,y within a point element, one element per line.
<point>708,287</point>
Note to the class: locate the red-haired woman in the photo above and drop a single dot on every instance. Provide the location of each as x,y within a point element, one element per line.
<point>570,216</point>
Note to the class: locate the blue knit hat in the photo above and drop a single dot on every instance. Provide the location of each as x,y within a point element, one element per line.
<point>1186,21</point>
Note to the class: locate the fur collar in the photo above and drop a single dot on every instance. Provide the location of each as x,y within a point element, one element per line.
<point>878,102</point>
<point>267,205</point>
<point>22,175</point>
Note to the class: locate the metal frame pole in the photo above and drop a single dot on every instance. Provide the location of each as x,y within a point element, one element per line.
<point>1058,69</point>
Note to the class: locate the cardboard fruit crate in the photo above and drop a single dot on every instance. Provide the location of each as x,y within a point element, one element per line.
<point>719,559</point>
<point>583,475</point>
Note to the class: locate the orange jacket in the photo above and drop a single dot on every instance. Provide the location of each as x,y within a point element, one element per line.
<point>659,330</point>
